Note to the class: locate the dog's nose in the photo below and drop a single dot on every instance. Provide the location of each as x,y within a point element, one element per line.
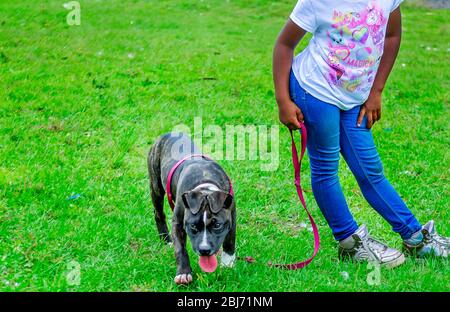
<point>204,251</point>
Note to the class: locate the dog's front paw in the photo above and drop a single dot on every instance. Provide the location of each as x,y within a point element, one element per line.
<point>227,260</point>
<point>183,279</point>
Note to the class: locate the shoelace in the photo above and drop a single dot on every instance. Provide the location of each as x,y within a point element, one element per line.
<point>373,247</point>
<point>440,239</point>
<point>378,246</point>
<point>438,243</point>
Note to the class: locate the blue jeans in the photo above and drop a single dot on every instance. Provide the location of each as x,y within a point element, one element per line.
<point>330,131</point>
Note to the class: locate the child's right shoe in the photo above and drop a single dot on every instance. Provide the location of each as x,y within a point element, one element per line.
<point>427,242</point>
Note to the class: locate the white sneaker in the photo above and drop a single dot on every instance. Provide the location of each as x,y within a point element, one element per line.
<point>427,242</point>
<point>361,247</point>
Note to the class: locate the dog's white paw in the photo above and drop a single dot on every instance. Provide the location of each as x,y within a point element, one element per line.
<point>227,260</point>
<point>183,279</point>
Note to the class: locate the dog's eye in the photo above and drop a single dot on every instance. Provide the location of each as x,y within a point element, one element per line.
<point>193,227</point>
<point>217,225</point>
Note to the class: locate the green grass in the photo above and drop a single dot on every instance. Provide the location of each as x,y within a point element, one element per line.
<point>78,115</point>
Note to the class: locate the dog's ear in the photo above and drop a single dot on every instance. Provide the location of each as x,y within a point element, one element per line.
<point>193,200</point>
<point>218,200</point>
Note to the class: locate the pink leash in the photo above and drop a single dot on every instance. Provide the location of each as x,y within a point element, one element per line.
<point>297,162</point>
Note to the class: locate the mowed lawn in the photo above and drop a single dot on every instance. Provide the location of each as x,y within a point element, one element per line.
<point>80,107</point>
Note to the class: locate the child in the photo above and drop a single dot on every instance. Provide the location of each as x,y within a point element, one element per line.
<point>334,86</point>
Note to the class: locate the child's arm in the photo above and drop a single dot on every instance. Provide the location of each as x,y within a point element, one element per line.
<point>290,36</point>
<point>372,107</point>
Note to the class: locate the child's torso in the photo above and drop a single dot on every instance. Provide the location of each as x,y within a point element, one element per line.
<point>347,45</point>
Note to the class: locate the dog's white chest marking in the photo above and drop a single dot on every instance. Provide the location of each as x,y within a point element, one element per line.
<point>227,260</point>
<point>204,243</point>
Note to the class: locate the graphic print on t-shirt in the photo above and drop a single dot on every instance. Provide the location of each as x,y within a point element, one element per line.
<point>355,42</point>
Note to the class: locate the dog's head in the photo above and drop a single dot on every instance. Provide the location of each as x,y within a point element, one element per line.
<point>207,220</point>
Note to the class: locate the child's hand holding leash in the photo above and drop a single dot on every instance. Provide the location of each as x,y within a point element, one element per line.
<point>290,115</point>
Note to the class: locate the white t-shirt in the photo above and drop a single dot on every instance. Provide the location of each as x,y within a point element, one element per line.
<point>340,63</point>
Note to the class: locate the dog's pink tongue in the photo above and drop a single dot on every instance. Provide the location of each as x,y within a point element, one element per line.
<point>208,263</point>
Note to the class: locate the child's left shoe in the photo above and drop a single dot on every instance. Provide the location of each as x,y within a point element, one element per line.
<point>427,242</point>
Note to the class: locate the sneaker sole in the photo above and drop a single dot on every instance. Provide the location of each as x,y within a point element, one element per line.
<point>395,263</point>
<point>389,265</point>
